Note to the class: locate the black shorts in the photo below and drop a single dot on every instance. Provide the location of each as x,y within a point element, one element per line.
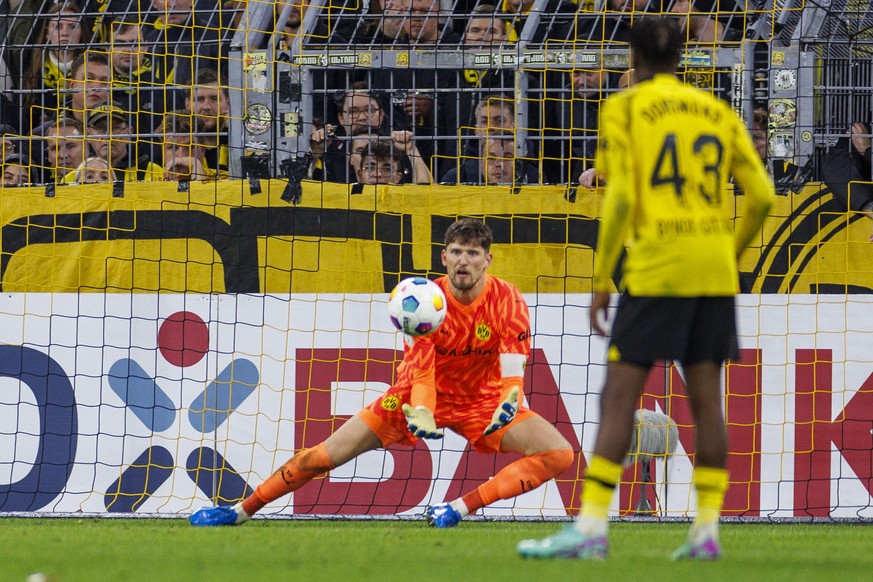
<point>684,329</point>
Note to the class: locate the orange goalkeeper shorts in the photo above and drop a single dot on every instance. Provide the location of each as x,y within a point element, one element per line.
<point>469,419</point>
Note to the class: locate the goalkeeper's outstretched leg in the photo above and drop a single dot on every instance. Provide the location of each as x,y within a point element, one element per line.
<point>546,455</point>
<point>350,440</point>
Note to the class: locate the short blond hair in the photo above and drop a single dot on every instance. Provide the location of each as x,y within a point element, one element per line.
<point>89,164</point>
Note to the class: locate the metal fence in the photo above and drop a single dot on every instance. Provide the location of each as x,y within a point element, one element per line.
<point>807,64</point>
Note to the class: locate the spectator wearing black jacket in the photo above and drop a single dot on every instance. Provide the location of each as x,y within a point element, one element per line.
<point>426,99</point>
<point>361,112</point>
<point>381,24</point>
<point>497,165</point>
<point>209,102</point>
<point>132,83</point>
<point>847,171</point>
<point>554,20</point>
<point>576,116</point>
<point>180,41</point>
<point>487,30</point>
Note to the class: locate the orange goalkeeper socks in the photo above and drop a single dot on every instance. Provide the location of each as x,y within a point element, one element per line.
<point>519,477</point>
<point>293,475</point>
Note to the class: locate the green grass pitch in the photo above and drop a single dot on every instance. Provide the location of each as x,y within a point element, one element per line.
<point>70,549</point>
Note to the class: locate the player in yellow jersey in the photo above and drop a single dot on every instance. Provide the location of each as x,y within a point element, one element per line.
<point>466,376</point>
<point>667,151</point>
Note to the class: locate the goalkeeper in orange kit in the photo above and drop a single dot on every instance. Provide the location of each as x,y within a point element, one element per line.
<point>466,376</point>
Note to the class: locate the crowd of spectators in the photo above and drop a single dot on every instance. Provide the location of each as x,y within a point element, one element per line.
<point>554,116</point>
<point>136,90</point>
<point>90,88</point>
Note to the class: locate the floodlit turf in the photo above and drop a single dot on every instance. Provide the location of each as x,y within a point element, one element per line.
<point>131,549</point>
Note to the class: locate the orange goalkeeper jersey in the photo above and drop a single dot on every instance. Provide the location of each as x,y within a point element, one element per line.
<point>465,351</point>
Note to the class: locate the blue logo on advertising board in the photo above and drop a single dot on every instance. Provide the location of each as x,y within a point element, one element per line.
<point>183,340</point>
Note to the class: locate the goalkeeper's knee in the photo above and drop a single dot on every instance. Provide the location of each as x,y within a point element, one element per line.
<point>545,466</point>
<point>557,461</point>
<point>548,465</point>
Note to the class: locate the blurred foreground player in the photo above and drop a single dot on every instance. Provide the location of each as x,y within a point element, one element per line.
<point>466,376</point>
<point>667,151</point>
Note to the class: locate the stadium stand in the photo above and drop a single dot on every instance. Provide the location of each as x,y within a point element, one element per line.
<point>273,280</point>
<point>291,58</point>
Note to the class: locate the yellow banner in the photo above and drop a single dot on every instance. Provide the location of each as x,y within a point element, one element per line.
<point>220,238</point>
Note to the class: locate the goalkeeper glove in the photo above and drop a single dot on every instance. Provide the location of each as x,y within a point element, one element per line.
<point>505,412</point>
<point>421,423</point>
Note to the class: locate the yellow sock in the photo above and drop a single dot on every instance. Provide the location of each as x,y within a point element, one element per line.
<point>711,484</point>
<point>600,481</point>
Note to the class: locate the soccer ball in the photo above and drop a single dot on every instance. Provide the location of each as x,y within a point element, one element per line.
<point>417,306</point>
